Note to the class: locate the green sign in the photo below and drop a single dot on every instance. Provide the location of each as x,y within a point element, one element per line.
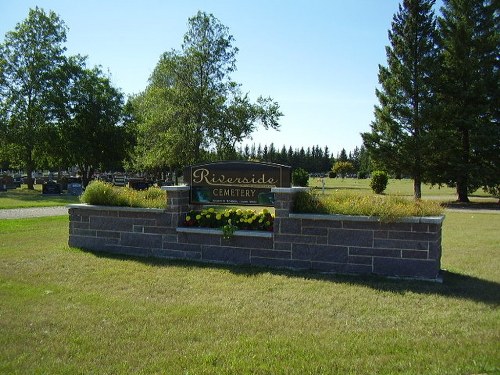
<point>236,183</point>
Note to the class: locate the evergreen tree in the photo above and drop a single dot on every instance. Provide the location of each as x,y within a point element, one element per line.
<point>468,148</point>
<point>400,131</point>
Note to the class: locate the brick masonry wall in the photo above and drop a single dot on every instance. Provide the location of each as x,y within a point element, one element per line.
<point>324,243</point>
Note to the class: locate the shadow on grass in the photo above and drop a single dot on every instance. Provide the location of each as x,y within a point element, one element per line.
<point>455,285</point>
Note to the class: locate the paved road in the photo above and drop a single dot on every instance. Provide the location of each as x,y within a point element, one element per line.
<point>19,213</point>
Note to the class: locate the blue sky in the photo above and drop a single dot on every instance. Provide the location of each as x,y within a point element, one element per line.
<point>317,58</point>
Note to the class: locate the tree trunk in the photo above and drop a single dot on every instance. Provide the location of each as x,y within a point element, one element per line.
<point>462,191</point>
<point>463,178</point>
<point>29,171</point>
<point>417,188</point>
<point>86,173</point>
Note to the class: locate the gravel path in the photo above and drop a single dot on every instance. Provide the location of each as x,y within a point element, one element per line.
<point>19,213</point>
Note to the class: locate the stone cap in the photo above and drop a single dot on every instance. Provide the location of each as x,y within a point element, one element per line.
<point>294,189</point>
<point>176,188</point>
<point>334,217</point>
<point>114,208</point>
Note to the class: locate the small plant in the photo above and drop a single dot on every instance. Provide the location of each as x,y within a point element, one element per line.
<point>300,177</point>
<point>230,220</point>
<point>102,193</point>
<point>379,181</point>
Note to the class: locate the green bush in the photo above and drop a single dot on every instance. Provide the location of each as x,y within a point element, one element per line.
<point>308,202</point>
<point>104,194</point>
<point>300,177</point>
<point>379,181</point>
<point>387,208</point>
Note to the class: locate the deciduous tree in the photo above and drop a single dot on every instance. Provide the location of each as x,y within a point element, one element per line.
<point>192,105</point>
<point>31,60</point>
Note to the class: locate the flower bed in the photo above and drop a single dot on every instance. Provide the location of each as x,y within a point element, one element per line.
<point>230,220</point>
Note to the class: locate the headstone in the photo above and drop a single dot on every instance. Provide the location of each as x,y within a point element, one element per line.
<point>51,188</point>
<point>119,180</point>
<point>138,184</point>
<point>7,182</point>
<point>75,188</point>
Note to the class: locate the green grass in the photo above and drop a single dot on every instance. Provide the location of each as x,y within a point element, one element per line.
<point>403,187</point>
<point>24,198</point>
<point>63,311</point>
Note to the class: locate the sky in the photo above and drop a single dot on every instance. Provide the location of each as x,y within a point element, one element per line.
<point>317,58</point>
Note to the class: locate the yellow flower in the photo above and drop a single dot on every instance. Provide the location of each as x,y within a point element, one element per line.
<point>198,217</point>
<point>188,218</point>
<point>218,216</point>
<point>211,209</point>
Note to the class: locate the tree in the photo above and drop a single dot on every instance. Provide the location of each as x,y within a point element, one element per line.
<point>191,106</point>
<point>343,168</point>
<point>31,60</point>
<point>468,146</point>
<point>400,132</point>
<point>93,132</point>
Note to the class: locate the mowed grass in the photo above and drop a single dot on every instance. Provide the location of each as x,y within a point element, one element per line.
<point>403,187</point>
<point>23,198</point>
<point>64,310</point>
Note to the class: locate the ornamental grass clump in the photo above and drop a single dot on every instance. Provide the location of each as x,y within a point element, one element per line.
<point>102,193</point>
<point>230,220</point>
<point>387,208</point>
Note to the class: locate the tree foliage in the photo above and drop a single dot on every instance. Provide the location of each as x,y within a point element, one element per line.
<point>468,142</point>
<point>192,106</point>
<point>399,138</point>
<point>343,168</point>
<point>93,132</point>
<point>31,65</point>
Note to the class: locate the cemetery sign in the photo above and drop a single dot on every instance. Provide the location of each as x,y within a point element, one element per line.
<point>237,183</point>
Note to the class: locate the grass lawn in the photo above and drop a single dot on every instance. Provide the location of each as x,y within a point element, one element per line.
<point>22,198</point>
<point>64,310</point>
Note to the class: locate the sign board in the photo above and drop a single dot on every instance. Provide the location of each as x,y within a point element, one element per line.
<point>236,183</point>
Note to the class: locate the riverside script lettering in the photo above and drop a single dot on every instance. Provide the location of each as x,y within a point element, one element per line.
<point>203,175</point>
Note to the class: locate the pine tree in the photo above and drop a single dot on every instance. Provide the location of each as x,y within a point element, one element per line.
<point>468,149</point>
<point>400,131</point>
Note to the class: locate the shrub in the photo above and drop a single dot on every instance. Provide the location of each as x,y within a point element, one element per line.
<point>379,181</point>
<point>102,193</point>
<point>308,202</point>
<point>387,208</point>
<point>300,177</point>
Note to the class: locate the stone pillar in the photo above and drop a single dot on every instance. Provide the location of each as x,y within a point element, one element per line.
<point>283,200</point>
<point>177,202</point>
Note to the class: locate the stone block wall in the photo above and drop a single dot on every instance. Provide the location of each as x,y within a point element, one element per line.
<point>324,243</point>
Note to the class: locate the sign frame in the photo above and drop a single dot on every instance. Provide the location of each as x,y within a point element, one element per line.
<point>240,183</point>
